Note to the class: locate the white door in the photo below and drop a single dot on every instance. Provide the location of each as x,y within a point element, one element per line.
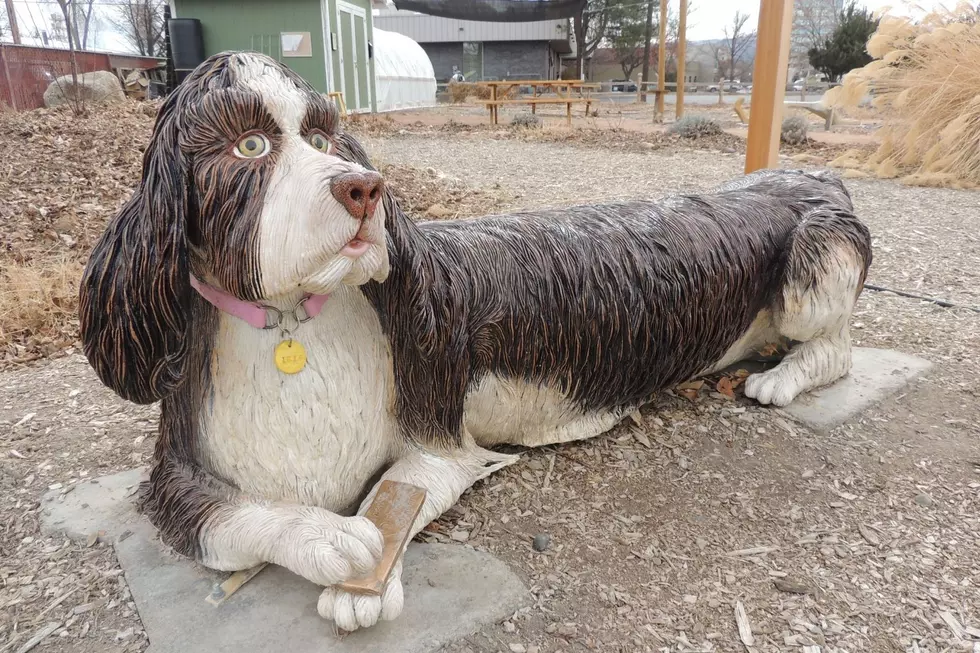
<point>355,70</point>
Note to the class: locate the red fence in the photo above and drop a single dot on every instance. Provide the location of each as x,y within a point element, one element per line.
<point>27,71</point>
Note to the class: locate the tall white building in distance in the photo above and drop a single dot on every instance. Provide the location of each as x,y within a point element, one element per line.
<point>813,23</point>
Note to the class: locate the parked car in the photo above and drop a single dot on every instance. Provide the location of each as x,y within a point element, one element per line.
<point>623,86</point>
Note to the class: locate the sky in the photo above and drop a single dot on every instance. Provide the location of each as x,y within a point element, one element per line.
<point>707,20</point>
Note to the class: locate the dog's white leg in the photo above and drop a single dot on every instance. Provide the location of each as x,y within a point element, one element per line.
<point>445,476</point>
<point>808,365</point>
<point>316,544</point>
<point>824,277</point>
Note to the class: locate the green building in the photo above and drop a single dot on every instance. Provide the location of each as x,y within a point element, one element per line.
<point>327,42</point>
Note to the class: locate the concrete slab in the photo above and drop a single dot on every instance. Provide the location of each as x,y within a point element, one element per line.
<point>450,591</point>
<point>875,375</point>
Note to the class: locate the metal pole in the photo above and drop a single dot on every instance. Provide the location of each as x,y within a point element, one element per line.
<point>769,84</point>
<point>661,58</point>
<point>681,54</point>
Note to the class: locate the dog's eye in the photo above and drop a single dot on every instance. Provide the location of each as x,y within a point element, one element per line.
<point>320,142</point>
<point>252,146</point>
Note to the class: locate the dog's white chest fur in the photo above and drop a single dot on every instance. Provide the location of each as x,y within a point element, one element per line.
<point>316,437</point>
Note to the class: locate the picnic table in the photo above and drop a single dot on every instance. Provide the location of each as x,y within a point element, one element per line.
<point>566,91</point>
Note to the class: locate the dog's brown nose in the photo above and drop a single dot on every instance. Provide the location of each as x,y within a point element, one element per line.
<point>359,192</point>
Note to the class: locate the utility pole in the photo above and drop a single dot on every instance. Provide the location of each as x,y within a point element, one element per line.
<point>662,59</point>
<point>769,84</point>
<point>646,51</point>
<point>681,54</point>
<point>12,19</point>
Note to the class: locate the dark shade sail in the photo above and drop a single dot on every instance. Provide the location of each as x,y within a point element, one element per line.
<point>497,11</point>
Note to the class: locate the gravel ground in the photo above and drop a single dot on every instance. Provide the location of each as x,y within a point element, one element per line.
<point>863,540</point>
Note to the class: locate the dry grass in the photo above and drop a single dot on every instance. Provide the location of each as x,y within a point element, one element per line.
<point>39,300</point>
<point>925,79</point>
<point>61,178</point>
<point>460,91</point>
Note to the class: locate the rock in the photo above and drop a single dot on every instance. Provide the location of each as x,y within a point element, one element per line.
<point>517,648</point>
<point>925,500</point>
<point>568,630</point>
<point>541,542</point>
<point>438,211</point>
<point>451,591</point>
<point>509,627</point>
<point>99,87</point>
<point>875,375</point>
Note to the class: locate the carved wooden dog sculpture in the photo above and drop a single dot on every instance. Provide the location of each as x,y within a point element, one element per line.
<point>402,350</point>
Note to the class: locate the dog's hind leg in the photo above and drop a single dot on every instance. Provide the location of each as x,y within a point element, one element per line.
<point>824,268</point>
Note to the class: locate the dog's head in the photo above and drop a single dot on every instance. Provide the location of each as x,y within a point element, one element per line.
<point>242,186</point>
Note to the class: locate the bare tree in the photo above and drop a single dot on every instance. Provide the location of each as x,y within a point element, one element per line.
<point>141,23</point>
<point>74,96</point>
<point>590,29</point>
<point>646,45</point>
<point>738,38</point>
<point>817,19</point>
<point>814,21</point>
<point>81,21</point>
<point>4,21</point>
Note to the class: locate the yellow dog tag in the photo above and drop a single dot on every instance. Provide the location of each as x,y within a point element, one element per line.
<point>290,356</point>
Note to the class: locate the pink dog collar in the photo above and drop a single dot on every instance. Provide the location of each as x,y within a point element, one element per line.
<point>260,316</point>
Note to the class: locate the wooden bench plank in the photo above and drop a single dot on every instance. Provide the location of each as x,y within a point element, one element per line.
<point>493,105</point>
<point>538,101</point>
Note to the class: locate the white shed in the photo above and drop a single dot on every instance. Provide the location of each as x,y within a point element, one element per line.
<point>403,74</point>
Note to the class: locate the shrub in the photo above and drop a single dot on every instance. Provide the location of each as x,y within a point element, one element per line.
<point>793,130</point>
<point>923,83</point>
<point>695,127</point>
<point>526,120</point>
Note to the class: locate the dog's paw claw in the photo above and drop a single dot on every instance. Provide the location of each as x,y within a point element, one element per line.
<point>352,611</point>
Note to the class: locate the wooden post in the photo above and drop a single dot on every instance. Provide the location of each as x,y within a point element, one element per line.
<point>14,28</point>
<point>639,88</point>
<point>493,107</point>
<point>681,54</point>
<point>769,84</point>
<point>662,58</point>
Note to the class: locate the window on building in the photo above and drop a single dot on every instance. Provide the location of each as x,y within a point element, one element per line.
<point>473,61</point>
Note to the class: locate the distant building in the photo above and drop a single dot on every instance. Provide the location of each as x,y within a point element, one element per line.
<point>485,50</point>
<point>814,21</point>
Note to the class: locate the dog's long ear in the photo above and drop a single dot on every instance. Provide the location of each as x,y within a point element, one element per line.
<point>350,149</point>
<point>135,290</point>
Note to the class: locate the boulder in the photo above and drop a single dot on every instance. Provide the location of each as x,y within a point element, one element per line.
<point>99,87</point>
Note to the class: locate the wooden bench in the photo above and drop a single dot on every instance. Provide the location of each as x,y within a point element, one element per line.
<point>493,105</point>
<point>825,112</point>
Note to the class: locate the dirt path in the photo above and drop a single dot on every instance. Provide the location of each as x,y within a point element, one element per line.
<point>865,539</point>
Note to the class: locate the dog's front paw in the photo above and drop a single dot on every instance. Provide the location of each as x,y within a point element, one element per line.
<point>327,549</point>
<point>773,387</point>
<point>353,611</point>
